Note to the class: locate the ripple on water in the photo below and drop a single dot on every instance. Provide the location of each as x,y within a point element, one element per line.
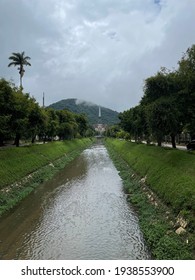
<point>85,216</point>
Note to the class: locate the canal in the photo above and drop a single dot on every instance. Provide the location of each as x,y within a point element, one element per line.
<point>82,213</point>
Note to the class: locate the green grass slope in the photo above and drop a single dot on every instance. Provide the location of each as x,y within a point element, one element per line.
<point>169,176</point>
<point>169,172</point>
<point>16,163</point>
<point>25,168</point>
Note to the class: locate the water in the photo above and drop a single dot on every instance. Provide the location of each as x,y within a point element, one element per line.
<point>81,214</point>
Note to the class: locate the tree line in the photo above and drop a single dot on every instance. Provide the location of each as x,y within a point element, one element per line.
<point>167,108</point>
<point>22,117</point>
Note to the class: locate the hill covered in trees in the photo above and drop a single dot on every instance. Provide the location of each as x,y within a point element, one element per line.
<point>91,110</point>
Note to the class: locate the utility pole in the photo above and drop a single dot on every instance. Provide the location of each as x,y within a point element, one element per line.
<point>43,100</point>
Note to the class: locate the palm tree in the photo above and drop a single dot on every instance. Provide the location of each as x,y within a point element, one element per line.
<point>19,59</point>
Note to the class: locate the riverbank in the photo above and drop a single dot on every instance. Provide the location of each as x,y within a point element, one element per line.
<point>160,183</point>
<point>23,169</point>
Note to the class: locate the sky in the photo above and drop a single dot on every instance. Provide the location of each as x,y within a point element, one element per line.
<point>99,51</point>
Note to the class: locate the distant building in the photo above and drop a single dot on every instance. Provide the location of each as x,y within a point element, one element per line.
<point>99,127</point>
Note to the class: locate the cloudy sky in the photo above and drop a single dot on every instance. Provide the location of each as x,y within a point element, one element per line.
<point>95,50</point>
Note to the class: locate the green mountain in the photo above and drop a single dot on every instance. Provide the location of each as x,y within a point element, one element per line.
<point>91,110</point>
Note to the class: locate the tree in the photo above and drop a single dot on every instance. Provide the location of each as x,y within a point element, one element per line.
<point>164,84</point>
<point>163,104</point>
<point>68,127</point>
<point>168,104</point>
<point>6,104</point>
<point>19,59</point>
<point>36,120</point>
<point>186,73</point>
<point>82,124</point>
<point>52,124</point>
<point>20,115</point>
<point>134,122</point>
<point>112,131</point>
<point>163,119</point>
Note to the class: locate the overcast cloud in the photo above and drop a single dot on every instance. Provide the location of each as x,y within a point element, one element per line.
<point>95,50</point>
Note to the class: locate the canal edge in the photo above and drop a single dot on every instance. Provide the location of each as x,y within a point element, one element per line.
<point>13,194</point>
<point>157,221</point>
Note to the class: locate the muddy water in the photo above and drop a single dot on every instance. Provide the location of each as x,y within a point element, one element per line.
<point>81,214</point>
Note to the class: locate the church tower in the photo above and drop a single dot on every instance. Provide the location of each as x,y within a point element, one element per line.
<point>100,114</point>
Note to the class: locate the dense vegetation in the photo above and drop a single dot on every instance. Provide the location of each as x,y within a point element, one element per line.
<point>91,110</point>
<point>167,108</point>
<point>169,174</point>
<point>22,117</point>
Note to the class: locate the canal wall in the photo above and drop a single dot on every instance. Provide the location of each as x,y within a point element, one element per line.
<point>160,183</point>
<point>23,169</point>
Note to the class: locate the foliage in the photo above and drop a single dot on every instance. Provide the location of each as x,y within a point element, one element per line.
<point>36,120</point>
<point>186,74</point>
<point>19,59</point>
<point>167,106</point>
<point>52,124</point>
<point>134,122</point>
<point>21,112</point>
<point>112,131</point>
<point>163,118</point>
<point>22,118</point>
<point>6,105</point>
<point>164,84</point>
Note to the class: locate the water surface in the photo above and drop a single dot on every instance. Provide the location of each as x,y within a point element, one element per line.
<point>81,214</point>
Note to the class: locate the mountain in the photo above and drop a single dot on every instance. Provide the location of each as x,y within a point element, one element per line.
<point>91,110</point>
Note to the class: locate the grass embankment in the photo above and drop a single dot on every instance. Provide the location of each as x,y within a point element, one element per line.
<point>22,169</point>
<point>171,178</point>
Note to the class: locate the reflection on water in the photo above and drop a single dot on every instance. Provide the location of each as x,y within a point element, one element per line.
<point>81,214</point>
